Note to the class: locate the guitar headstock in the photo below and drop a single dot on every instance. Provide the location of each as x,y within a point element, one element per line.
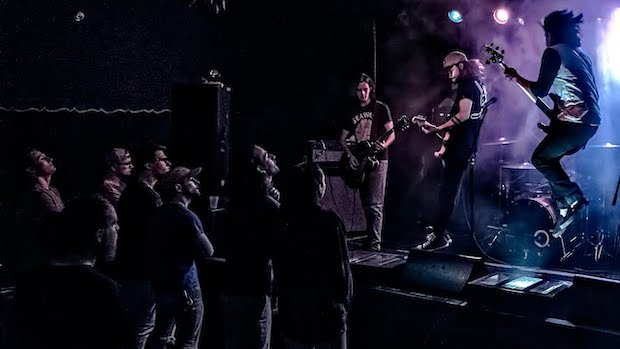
<point>405,121</point>
<point>496,55</point>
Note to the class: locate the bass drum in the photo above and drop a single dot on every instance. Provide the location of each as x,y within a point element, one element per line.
<point>526,236</point>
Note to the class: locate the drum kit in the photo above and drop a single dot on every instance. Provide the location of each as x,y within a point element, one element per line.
<point>522,233</point>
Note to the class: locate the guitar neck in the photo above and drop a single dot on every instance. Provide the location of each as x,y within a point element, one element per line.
<point>544,107</point>
<point>385,136</point>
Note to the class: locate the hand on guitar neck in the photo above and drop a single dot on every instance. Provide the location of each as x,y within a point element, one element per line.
<point>429,128</point>
<point>554,113</point>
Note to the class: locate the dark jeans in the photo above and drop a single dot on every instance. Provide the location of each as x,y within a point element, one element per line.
<point>372,194</point>
<point>339,342</point>
<point>247,321</point>
<point>455,164</point>
<point>183,311</point>
<point>139,303</point>
<point>565,139</point>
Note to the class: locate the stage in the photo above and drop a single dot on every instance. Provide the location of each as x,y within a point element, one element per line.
<point>431,299</point>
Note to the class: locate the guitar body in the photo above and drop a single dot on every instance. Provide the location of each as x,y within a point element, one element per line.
<point>551,113</point>
<point>365,155</point>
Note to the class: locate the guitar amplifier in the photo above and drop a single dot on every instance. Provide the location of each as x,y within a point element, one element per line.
<point>326,153</point>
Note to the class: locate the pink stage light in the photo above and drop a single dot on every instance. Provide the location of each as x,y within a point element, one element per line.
<point>501,16</point>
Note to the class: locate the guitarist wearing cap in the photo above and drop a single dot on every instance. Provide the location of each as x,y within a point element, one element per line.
<point>369,122</point>
<point>468,112</point>
<point>565,75</point>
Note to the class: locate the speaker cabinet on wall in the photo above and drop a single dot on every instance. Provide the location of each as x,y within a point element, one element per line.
<point>345,202</point>
<point>200,131</point>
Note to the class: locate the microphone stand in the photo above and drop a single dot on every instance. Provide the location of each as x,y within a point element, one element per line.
<point>472,162</point>
<point>613,202</point>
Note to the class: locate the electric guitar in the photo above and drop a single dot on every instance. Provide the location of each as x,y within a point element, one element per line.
<point>365,152</point>
<point>497,57</point>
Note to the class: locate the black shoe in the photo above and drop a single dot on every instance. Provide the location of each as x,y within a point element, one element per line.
<point>435,242</point>
<point>564,221</point>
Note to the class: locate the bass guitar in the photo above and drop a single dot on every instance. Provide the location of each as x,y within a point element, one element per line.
<point>496,56</point>
<point>421,121</point>
<point>365,152</point>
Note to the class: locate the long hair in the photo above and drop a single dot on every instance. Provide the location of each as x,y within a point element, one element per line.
<point>473,69</point>
<point>563,28</point>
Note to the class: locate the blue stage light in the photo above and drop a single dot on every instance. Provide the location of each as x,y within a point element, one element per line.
<point>455,16</point>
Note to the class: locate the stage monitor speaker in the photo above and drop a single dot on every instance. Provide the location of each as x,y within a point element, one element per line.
<point>438,273</point>
<point>345,202</point>
<point>200,131</point>
<point>593,301</point>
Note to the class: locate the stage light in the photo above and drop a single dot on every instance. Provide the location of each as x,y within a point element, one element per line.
<point>615,15</point>
<point>521,21</point>
<point>501,16</point>
<point>455,16</point>
<point>609,48</point>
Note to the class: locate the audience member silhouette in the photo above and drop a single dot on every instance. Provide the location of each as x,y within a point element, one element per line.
<point>67,304</point>
<point>311,264</point>
<point>178,242</point>
<point>246,301</point>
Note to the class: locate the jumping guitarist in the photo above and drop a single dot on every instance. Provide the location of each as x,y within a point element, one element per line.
<point>368,121</point>
<point>566,75</point>
<point>468,112</point>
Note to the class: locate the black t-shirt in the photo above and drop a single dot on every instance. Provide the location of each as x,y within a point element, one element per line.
<point>464,136</point>
<point>135,209</point>
<point>69,307</point>
<point>253,223</point>
<point>366,123</point>
<point>313,276</point>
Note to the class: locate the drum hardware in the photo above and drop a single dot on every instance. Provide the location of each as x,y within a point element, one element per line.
<point>526,235</point>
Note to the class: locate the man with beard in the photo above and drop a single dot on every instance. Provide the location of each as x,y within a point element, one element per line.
<point>178,241</point>
<point>67,303</point>
<point>254,218</point>
<point>467,115</point>
<point>119,166</point>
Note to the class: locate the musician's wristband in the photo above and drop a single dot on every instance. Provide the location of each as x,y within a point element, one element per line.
<point>455,120</point>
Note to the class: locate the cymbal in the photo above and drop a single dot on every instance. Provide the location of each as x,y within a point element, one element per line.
<point>519,166</point>
<point>501,141</point>
<point>603,146</point>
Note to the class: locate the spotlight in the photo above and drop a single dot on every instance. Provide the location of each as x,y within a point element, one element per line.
<point>455,16</point>
<point>615,15</point>
<point>501,16</point>
<point>521,21</point>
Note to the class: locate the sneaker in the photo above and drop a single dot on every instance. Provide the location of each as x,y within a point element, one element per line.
<point>567,215</point>
<point>435,242</point>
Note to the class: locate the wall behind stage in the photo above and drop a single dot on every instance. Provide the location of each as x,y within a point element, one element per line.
<point>101,54</point>
<point>289,67</point>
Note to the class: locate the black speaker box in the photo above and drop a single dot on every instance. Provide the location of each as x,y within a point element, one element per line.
<point>439,273</point>
<point>200,131</point>
<point>594,302</point>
